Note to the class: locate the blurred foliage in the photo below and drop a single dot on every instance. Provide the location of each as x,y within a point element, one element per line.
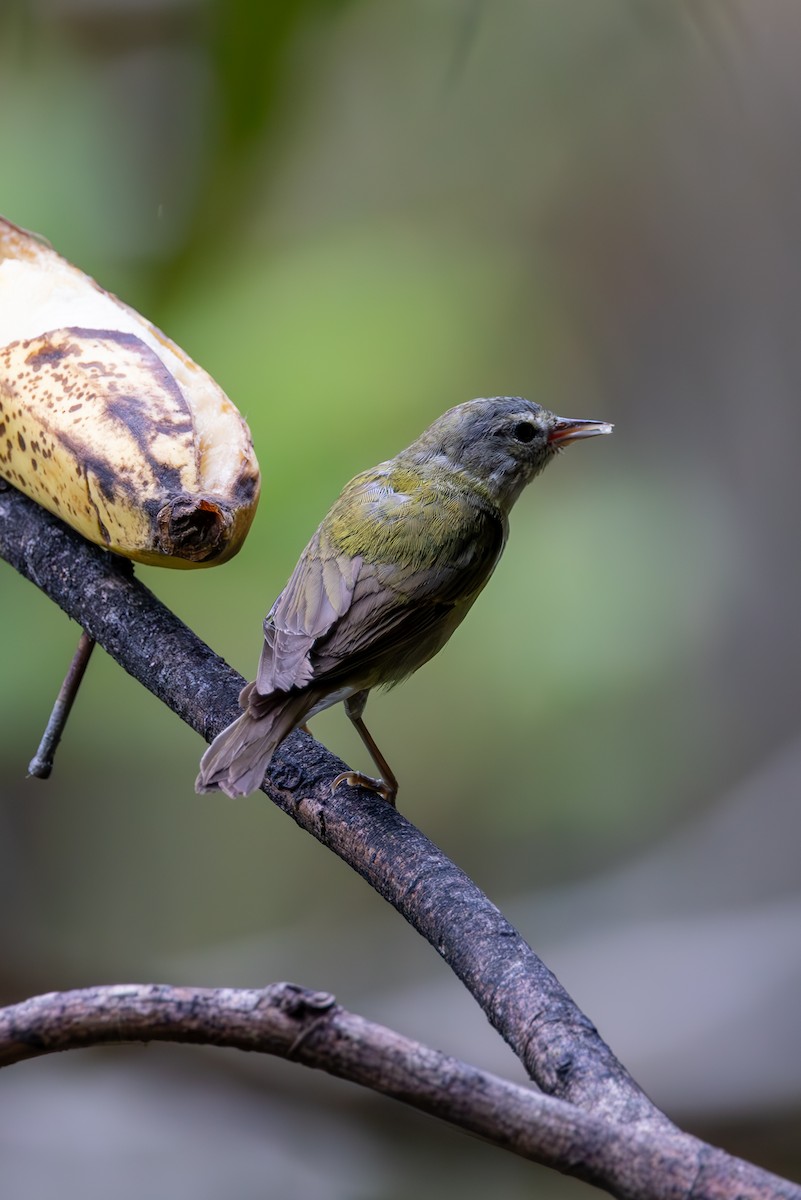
<point>355,215</point>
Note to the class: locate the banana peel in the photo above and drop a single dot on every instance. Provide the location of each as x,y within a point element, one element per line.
<point>108,424</point>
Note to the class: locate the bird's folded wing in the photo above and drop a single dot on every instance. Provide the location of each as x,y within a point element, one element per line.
<point>317,595</point>
<point>340,612</point>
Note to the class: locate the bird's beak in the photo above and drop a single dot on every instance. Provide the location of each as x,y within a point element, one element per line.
<point>565,429</point>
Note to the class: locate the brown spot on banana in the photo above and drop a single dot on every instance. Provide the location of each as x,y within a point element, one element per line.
<point>108,424</point>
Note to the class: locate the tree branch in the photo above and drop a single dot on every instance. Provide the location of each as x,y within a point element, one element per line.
<point>311,1028</point>
<point>524,1001</point>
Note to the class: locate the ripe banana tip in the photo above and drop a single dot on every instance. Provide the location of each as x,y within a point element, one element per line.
<point>198,529</point>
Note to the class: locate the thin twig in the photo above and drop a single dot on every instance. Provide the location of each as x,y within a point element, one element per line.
<point>41,765</point>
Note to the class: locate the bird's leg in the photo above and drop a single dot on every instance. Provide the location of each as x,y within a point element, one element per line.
<point>387,785</point>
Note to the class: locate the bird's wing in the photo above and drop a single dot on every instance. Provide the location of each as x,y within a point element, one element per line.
<point>319,592</point>
<point>395,623</point>
<point>376,579</point>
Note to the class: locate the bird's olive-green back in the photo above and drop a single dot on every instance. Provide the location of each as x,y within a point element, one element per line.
<point>415,517</point>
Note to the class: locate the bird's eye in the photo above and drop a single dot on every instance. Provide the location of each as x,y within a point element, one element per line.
<point>524,431</point>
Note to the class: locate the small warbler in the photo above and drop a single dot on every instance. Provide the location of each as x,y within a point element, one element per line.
<point>387,577</point>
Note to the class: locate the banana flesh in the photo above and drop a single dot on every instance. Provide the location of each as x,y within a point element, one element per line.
<point>109,425</point>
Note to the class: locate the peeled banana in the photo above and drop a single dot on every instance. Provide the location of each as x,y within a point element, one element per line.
<point>108,424</point>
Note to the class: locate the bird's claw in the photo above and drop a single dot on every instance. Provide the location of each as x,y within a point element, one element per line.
<point>357,779</point>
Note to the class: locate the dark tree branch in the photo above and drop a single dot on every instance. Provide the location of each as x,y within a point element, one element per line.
<point>523,1000</point>
<point>557,1044</point>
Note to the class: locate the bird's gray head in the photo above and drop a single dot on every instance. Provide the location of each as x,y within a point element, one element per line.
<point>501,442</point>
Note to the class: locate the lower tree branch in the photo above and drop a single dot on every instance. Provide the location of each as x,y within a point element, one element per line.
<point>557,1043</point>
<point>311,1028</point>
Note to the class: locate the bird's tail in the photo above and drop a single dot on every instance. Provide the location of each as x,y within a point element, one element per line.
<point>237,759</point>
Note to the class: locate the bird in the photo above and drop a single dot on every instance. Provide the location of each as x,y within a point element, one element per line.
<point>386,578</point>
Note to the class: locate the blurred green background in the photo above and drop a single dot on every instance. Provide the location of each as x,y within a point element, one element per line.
<point>355,215</point>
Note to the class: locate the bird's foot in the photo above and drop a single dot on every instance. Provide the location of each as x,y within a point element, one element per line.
<point>356,779</point>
